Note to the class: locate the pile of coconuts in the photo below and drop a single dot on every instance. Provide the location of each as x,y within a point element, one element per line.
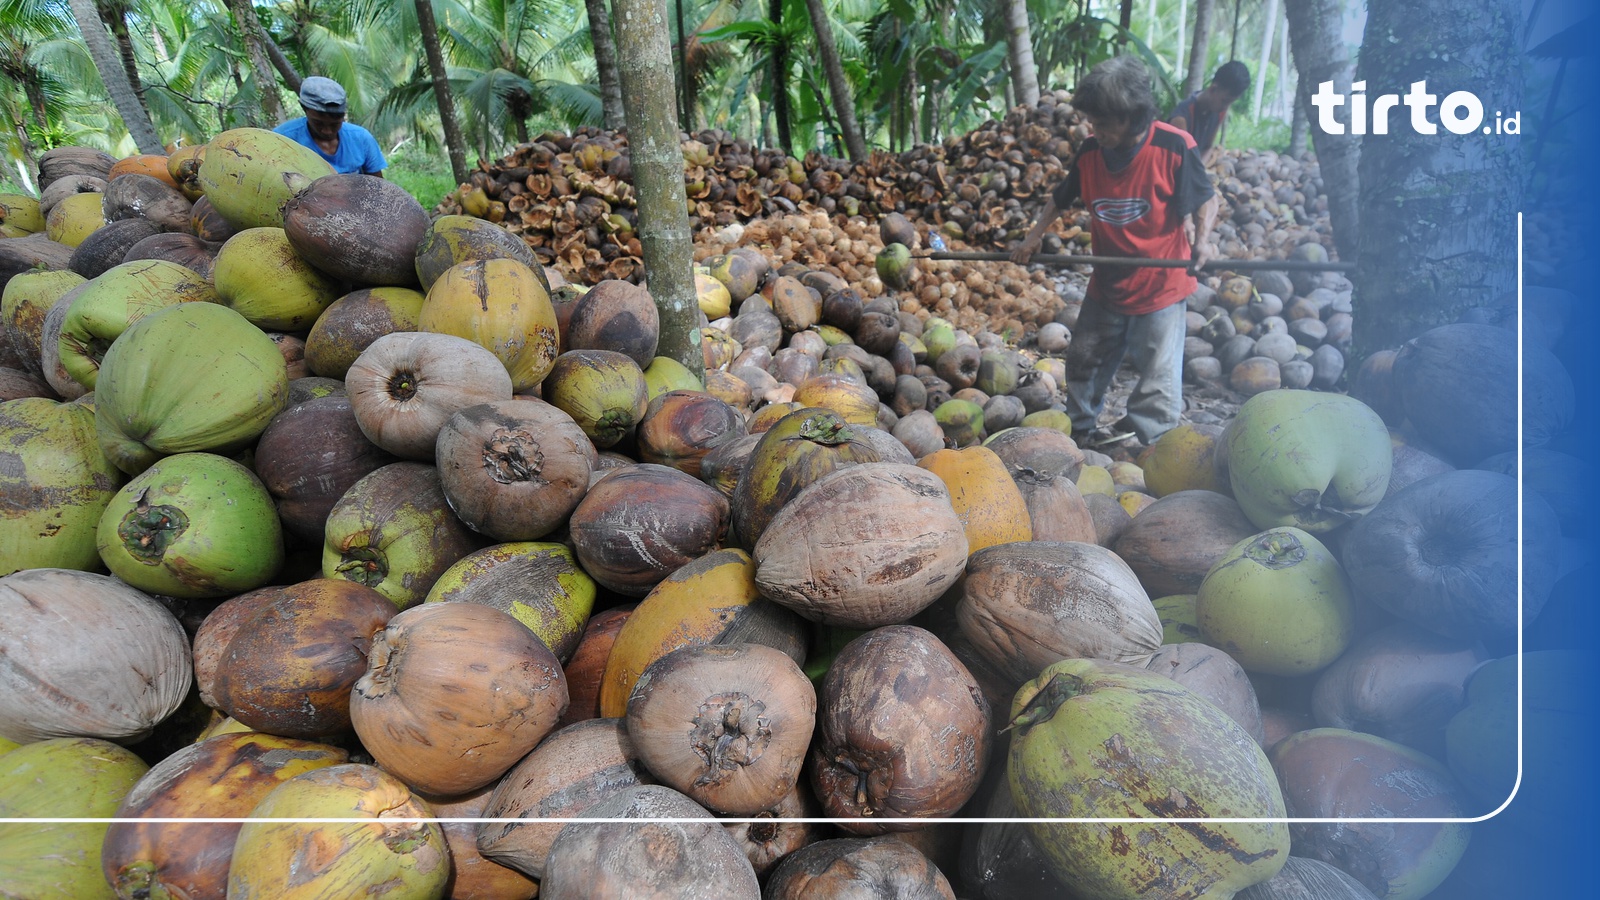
<point>379,521</point>
<point>571,198</point>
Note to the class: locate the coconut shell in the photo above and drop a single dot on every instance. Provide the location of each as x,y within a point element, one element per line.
<point>679,858</point>
<point>1402,683</point>
<point>1028,604</point>
<point>358,229</point>
<point>449,729</point>
<point>1331,773</point>
<point>680,428</point>
<point>514,469</point>
<point>222,776</point>
<point>1215,676</point>
<point>1458,386</point>
<point>109,246</point>
<point>563,777</point>
<point>294,655</point>
<point>865,546</point>
<point>1307,879</point>
<point>115,661</point>
<point>310,454</point>
<point>749,711</point>
<point>140,196</point>
<point>1443,553</point>
<point>617,316</point>
<point>587,666</point>
<point>637,525</point>
<point>874,756</point>
<point>1173,542</point>
<point>858,867</point>
<point>186,250</point>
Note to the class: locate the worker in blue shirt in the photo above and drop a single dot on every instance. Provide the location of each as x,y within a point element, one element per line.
<point>347,147</point>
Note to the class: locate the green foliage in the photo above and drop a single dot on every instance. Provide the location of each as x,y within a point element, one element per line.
<point>1267,134</point>
<point>424,173</point>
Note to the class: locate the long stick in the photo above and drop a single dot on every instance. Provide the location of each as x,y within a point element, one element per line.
<point>1070,259</point>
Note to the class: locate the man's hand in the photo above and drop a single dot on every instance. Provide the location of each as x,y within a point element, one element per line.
<point>1025,250</point>
<point>1203,252</point>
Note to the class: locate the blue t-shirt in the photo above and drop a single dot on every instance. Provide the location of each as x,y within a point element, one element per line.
<point>358,149</point>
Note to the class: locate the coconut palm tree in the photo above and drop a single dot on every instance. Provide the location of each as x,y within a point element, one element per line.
<point>453,141</point>
<point>108,63</point>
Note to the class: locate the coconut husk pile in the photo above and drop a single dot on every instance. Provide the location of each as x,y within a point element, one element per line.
<point>571,198</point>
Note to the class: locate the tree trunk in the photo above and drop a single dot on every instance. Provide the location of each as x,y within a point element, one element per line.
<point>1178,42</point>
<point>1299,128</point>
<point>644,53</point>
<point>844,101</point>
<point>255,39</point>
<point>291,77</point>
<point>1019,51</point>
<point>1263,58</point>
<point>1320,54</point>
<point>1438,212</point>
<point>1199,50</point>
<point>685,83</point>
<point>780,79</point>
<point>109,65</point>
<point>1125,22</point>
<point>454,143</point>
<point>605,62</point>
<point>116,19</point>
<point>1285,71</point>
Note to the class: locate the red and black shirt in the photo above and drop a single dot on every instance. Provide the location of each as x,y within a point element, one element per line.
<point>1137,203</point>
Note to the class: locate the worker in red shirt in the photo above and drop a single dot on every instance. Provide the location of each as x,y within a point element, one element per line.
<point>1140,179</point>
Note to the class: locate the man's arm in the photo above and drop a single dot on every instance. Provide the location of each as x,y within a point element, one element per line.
<point>1030,244</point>
<point>1204,219</point>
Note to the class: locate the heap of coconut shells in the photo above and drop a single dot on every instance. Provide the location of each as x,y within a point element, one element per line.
<point>571,198</point>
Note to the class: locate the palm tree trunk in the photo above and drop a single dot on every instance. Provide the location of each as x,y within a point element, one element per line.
<point>291,77</point>
<point>644,53</point>
<point>685,83</point>
<point>605,62</point>
<point>109,65</point>
<point>116,19</point>
<point>454,143</point>
<point>780,79</point>
<point>844,101</point>
<point>1320,54</point>
<point>1199,50</point>
<point>1019,52</point>
<point>1178,42</point>
<point>1262,59</point>
<point>1438,212</point>
<point>244,12</point>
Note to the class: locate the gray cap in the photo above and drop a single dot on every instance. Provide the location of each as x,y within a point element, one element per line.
<point>322,95</point>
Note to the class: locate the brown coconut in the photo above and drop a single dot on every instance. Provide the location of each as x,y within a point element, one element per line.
<point>357,228</point>
<point>1028,604</point>
<point>617,316</point>
<point>868,545</point>
<point>1173,542</point>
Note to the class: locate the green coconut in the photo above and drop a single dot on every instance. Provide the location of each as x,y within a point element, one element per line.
<point>248,174</point>
<point>602,390</point>
<point>194,377</point>
<point>27,300</point>
<point>259,275</point>
<point>1099,740</point>
<point>541,585</point>
<point>58,483</point>
<point>665,374</point>
<point>894,266</point>
<point>1307,459</point>
<point>117,298</point>
<point>63,778</point>
<point>387,851</point>
<point>452,240</point>
<point>1278,603</point>
<point>194,525</point>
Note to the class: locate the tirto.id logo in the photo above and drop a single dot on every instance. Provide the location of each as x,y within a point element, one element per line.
<point>1460,113</point>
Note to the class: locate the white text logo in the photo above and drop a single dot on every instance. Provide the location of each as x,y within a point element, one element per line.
<point>1461,112</point>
